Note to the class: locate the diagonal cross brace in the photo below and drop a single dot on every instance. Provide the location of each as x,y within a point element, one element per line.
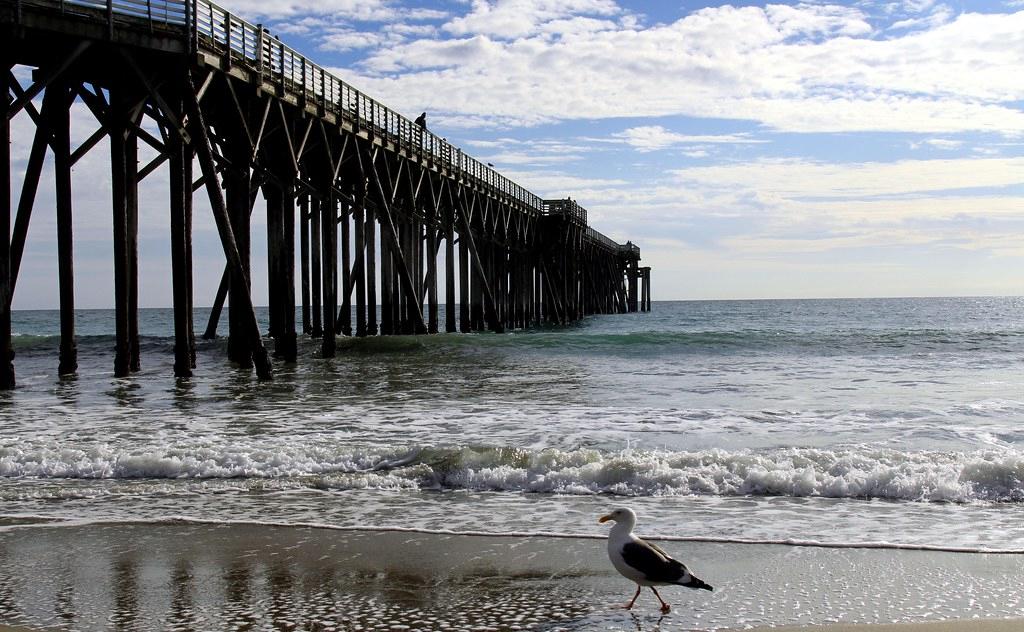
<point>204,152</point>
<point>388,224</point>
<point>490,312</point>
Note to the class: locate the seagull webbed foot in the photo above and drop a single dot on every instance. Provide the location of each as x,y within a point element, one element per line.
<point>629,606</point>
<point>665,608</point>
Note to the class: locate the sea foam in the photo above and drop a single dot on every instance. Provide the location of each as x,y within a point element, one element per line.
<point>853,472</point>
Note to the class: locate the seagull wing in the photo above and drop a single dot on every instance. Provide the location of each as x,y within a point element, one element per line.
<point>653,562</point>
<point>658,566</point>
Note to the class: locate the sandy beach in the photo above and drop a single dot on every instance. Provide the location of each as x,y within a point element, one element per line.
<point>183,576</point>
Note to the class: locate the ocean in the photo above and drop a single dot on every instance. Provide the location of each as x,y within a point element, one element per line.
<point>877,422</point>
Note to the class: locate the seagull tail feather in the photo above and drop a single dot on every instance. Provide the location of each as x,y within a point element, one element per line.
<point>696,583</point>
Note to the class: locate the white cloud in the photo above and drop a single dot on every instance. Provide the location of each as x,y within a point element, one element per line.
<point>653,137</point>
<point>803,68</point>
<point>803,179</point>
<point>939,143</point>
<point>338,9</point>
<point>513,19</point>
<point>349,40</point>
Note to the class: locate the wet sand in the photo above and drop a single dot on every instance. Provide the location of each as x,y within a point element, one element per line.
<point>180,576</point>
<point>1007,625</point>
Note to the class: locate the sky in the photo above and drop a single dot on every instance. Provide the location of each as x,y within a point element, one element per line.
<point>752,150</point>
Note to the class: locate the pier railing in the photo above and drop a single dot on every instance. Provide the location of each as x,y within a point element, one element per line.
<point>210,27</point>
<point>277,63</point>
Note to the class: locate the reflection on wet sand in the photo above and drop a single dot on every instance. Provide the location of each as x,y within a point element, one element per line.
<point>125,574</point>
<point>181,615</point>
<point>220,577</point>
<point>184,576</point>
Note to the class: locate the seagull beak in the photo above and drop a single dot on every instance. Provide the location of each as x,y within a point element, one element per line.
<point>603,519</point>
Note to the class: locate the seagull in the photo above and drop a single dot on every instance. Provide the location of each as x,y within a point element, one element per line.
<point>643,562</point>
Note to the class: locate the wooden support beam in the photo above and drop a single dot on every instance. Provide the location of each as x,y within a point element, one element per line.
<point>431,280</point>
<point>220,214</point>
<point>396,294</point>
<point>189,276</point>
<point>119,186</point>
<point>154,93</point>
<point>237,182</point>
<point>57,108</point>
<point>359,218</point>
<point>370,238</point>
<point>386,290</point>
<point>465,321</point>
<point>345,312</point>
<point>329,244</point>
<point>554,312</point>
<point>449,274</point>
<point>131,167</point>
<point>6,287</point>
<point>307,327</point>
<point>389,231</point>
<point>88,144</point>
<point>51,75</point>
<point>315,267</point>
<point>29,187</point>
<point>218,304</point>
<point>538,296</point>
<point>180,204</point>
<point>633,278</point>
<point>476,284</point>
<point>281,267</point>
<point>153,165</point>
<point>490,313</point>
<point>406,301</point>
<point>275,237</point>
<point>15,87</point>
<point>289,350</point>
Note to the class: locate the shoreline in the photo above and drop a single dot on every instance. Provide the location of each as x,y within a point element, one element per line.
<point>216,576</point>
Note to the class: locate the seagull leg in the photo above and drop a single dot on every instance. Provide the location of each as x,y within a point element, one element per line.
<point>632,601</point>
<point>665,608</point>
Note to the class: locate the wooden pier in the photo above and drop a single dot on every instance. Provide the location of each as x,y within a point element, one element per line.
<point>373,197</point>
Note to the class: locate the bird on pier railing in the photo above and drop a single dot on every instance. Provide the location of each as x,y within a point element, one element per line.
<point>643,562</point>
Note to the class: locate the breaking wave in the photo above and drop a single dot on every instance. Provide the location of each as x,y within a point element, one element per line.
<point>855,472</point>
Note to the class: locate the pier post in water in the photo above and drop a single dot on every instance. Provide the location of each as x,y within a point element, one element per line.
<point>281,266</point>
<point>345,311</point>
<point>307,326</point>
<point>180,165</point>
<point>57,113</point>
<point>370,239</point>
<point>316,329</point>
<point>119,189</point>
<point>359,219</point>
<point>449,274</point>
<point>329,278</point>
<point>386,289</point>
<point>431,279</point>
<point>132,239</point>
<point>243,308</point>
<point>6,286</point>
<point>633,272</point>
<point>290,351</point>
<point>237,182</point>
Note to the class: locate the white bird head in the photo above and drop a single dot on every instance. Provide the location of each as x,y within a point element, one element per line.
<point>621,516</point>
